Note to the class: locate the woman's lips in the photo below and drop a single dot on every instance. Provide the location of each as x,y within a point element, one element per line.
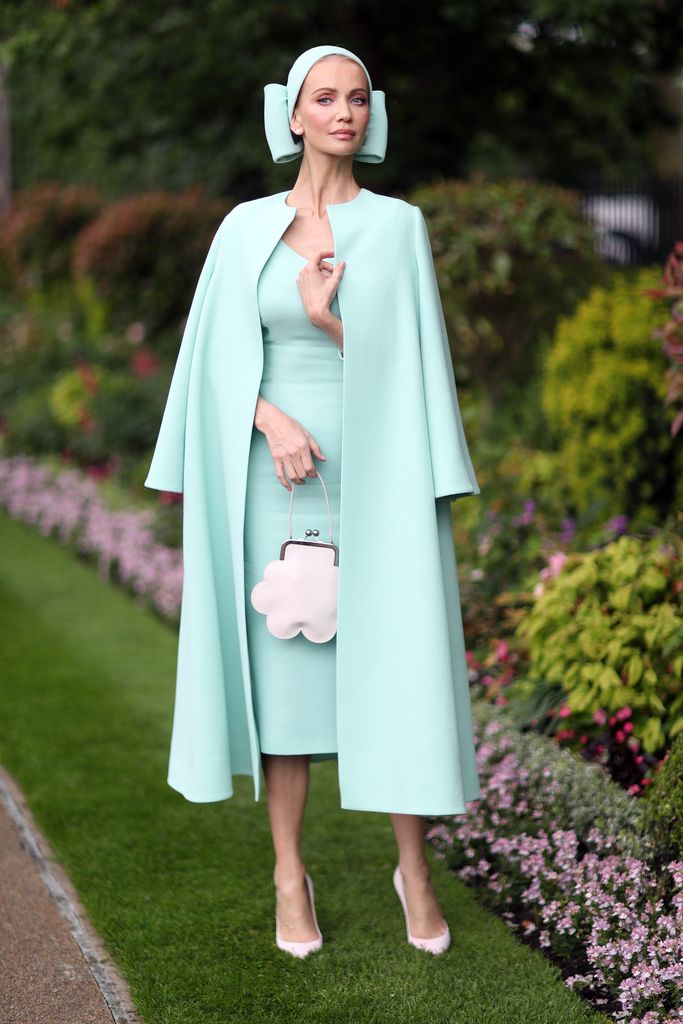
<point>344,135</point>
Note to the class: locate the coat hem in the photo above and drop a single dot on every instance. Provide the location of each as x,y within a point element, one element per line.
<point>204,799</point>
<point>459,809</point>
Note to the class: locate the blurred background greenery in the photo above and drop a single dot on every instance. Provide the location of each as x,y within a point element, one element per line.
<point>162,95</point>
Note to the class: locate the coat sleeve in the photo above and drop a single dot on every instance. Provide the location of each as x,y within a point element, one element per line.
<point>166,470</point>
<point>452,468</point>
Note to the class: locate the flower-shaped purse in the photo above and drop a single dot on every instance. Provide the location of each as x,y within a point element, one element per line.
<point>298,592</point>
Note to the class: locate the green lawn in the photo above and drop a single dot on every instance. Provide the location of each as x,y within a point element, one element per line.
<point>182,893</point>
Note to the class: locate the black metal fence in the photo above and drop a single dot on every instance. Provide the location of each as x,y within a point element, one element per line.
<point>637,221</point>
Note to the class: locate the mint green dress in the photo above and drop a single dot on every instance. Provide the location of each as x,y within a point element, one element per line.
<point>293,681</point>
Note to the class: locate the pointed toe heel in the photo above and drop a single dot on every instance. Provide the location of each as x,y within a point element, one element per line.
<point>437,944</point>
<point>301,949</point>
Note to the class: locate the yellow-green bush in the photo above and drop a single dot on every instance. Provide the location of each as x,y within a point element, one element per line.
<point>603,395</point>
<point>71,395</point>
<point>607,633</point>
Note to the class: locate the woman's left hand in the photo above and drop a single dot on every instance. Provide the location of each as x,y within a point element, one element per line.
<point>317,282</point>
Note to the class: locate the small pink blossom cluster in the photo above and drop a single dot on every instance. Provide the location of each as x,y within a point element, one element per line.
<point>550,571</point>
<point>68,506</point>
<point>611,911</point>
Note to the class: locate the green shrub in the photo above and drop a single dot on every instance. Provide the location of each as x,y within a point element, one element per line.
<point>144,254</point>
<point>38,232</point>
<point>603,395</point>
<point>29,426</point>
<point>128,409</point>
<point>606,633</point>
<point>511,256</point>
<point>664,805</point>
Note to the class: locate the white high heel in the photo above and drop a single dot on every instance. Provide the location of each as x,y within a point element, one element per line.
<point>301,948</point>
<point>437,944</point>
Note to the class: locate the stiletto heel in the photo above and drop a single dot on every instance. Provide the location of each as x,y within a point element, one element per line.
<point>438,944</point>
<point>301,948</point>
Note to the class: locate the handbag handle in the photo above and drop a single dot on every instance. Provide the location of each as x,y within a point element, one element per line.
<point>329,511</point>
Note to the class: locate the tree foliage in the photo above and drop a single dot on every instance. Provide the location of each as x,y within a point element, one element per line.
<point>163,94</point>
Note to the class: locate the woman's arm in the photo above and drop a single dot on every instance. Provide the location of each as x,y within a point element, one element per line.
<point>291,445</point>
<point>333,326</point>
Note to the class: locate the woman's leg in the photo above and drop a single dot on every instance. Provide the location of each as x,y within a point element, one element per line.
<point>424,910</point>
<point>287,785</point>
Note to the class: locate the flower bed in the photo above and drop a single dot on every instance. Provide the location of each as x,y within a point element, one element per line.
<point>562,854</point>
<point>68,506</point>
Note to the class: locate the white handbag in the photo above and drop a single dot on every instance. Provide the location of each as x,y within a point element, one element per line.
<point>298,592</point>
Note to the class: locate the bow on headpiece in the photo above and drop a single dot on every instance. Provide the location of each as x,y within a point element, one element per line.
<point>280,100</point>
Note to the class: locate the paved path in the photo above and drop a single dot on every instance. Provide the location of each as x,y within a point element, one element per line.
<point>53,967</point>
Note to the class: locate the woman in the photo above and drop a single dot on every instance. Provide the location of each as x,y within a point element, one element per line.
<point>354,359</point>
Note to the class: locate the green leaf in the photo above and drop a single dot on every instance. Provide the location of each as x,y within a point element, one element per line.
<point>608,678</point>
<point>652,735</point>
<point>635,669</point>
<point>621,597</point>
<point>676,728</point>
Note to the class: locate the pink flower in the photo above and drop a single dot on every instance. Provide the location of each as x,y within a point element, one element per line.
<point>556,561</point>
<point>136,333</point>
<point>145,363</point>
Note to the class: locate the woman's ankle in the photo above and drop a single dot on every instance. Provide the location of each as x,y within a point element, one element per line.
<point>414,866</point>
<point>289,873</point>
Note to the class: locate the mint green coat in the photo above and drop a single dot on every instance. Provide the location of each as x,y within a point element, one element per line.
<point>404,727</point>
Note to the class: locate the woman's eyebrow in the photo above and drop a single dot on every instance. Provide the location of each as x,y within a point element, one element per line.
<point>329,88</point>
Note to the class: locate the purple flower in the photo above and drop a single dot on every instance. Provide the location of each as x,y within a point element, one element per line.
<point>601,907</point>
<point>618,524</point>
<point>67,505</point>
<point>527,515</point>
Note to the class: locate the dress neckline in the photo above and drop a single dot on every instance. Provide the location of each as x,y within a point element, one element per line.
<point>294,251</point>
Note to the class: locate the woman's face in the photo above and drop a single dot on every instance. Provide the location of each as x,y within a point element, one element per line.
<point>333,98</point>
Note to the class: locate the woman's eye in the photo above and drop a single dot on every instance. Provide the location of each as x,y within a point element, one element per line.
<point>322,98</point>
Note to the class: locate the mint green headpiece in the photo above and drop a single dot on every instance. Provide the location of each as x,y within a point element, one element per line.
<point>280,100</point>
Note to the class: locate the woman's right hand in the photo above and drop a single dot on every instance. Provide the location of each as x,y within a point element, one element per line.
<point>291,445</point>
